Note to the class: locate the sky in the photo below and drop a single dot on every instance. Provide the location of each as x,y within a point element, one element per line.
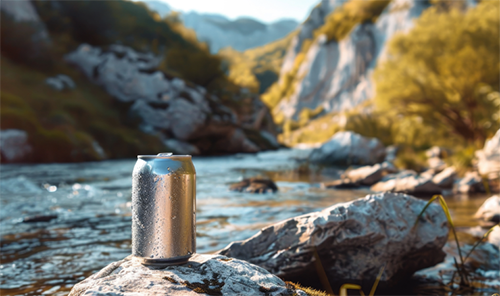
<point>264,10</point>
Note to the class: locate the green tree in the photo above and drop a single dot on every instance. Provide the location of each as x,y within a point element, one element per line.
<point>445,71</point>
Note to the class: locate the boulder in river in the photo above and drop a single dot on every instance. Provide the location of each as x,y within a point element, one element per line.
<point>346,148</point>
<point>255,185</point>
<point>201,275</point>
<point>14,145</point>
<point>471,183</point>
<point>60,82</point>
<point>489,212</point>
<point>489,157</point>
<point>445,178</point>
<point>363,176</point>
<point>351,240</point>
<point>407,182</point>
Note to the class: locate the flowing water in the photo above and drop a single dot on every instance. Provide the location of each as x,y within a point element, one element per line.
<point>90,204</point>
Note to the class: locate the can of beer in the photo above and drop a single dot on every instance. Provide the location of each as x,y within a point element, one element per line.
<point>163,209</point>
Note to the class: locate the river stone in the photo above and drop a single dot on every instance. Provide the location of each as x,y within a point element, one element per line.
<point>255,185</point>
<point>353,241</point>
<point>489,157</point>
<point>471,183</point>
<point>407,182</point>
<point>180,147</point>
<point>346,148</point>
<point>489,210</point>
<point>446,178</point>
<point>201,275</point>
<point>14,145</point>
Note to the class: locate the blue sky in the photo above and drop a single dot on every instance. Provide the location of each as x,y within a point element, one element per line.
<point>263,10</point>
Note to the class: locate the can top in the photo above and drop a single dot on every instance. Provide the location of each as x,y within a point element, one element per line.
<point>165,155</point>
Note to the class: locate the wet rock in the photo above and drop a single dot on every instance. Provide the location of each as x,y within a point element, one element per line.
<point>494,237</point>
<point>407,182</point>
<point>14,146</point>
<point>60,82</point>
<point>363,176</point>
<point>255,185</point>
<point>201,275</point>
<point>489,212</point>
<point>489,157</point>
<point>353,240</point>
<point>471,183</point>
<point>180,147</point>
<point>39,218</point>
<point>446,178</point>
<point>346,148</point>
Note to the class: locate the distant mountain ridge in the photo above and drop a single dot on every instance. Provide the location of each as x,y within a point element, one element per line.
<point>218,31</point>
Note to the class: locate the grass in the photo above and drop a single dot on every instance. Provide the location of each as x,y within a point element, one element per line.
<point>465,275</point>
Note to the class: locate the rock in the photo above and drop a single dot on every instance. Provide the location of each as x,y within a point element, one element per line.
<point>179,147</point>
<point>407,182</point>
<point>489,157</point>
<point>436,164</point>
<point>353,241</point>
<point>201,275</point>
<point>471,183</point>
<point>438,152</point>
<point>255,185</point>
<point>14,146</point>
<point>446,178</point>
<point>363,176</point>
<point>489,210</point>
<point>23,11</point>
<point>39,218</point>
<point>60,82</point>
<point>346,148</point>
<point>369,175</point>
<point>494,237</point>
<point>170,108</point>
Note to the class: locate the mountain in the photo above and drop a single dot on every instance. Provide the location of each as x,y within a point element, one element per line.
<point>219,32</point>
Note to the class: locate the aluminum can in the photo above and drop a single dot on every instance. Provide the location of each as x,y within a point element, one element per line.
<point>163,209</point>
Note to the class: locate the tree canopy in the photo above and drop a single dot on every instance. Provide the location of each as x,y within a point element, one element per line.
<point>445,71</point>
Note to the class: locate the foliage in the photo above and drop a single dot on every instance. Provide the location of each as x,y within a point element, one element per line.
<point>258,68</point>
<point>445,72</point>
<point>342,20</point>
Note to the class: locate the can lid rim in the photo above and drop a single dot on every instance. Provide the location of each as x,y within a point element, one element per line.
<point>166,157</point>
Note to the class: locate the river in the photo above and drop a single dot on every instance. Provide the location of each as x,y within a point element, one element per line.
<point>93,224</point>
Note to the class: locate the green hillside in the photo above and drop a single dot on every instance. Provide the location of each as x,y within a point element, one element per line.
<point>63,126</point>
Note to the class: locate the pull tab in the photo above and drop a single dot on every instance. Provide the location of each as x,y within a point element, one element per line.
<point>165,154</point>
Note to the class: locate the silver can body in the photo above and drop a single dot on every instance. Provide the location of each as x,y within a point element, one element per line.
<point>163,209</point>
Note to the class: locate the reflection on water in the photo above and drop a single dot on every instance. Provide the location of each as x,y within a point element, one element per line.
<point>92,204</point>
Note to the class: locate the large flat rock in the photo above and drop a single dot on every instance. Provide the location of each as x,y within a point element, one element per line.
<point>201,275</point>
<point>353,241</point>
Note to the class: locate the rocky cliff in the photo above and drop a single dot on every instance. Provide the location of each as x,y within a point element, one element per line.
<point>336,75</point>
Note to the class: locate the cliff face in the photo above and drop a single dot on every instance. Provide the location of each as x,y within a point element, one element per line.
<point>337,75</point>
